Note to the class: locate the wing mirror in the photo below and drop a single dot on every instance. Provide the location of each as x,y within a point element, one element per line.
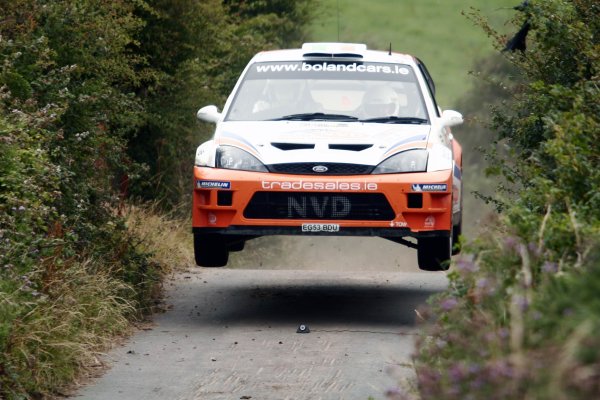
<point>209,114</point>
<point>451,118</point>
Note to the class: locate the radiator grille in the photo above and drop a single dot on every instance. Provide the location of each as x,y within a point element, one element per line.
<point>319,206</point>
<point>332,169</point>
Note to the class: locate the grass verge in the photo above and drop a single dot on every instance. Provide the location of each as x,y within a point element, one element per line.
<point>53,335</point>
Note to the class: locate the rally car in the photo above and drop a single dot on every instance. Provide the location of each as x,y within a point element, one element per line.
<point>329,139</point>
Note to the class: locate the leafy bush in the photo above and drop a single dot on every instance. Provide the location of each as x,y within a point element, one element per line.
<point>95,94</point>
<point>520,317</point>
<point>69,276</point>
<point>196,51</point>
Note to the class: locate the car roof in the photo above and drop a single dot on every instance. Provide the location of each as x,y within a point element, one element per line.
<point>334,51</point>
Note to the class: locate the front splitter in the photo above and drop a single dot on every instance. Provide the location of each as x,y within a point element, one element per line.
<point>257,230</point>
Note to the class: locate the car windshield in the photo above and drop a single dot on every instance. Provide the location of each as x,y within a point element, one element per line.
<point>332,91</point>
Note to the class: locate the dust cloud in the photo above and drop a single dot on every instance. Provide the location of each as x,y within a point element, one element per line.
<point>330,253</point>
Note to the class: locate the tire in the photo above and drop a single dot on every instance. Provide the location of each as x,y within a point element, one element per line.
<point>456,232</point>
<point>457,229</point>
<point>237,245</point>
<point>210,250</point>
<point>434,253</point>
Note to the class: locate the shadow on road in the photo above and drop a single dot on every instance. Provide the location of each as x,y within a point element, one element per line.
<point>231,334</point>
<point>382,300</point>
<point>340,304</point>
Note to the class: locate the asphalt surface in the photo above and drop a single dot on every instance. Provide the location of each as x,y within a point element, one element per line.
<point>232,333</point>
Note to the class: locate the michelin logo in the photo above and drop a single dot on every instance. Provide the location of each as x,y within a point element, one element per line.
<point>213,185</point>
<point>429,187</point>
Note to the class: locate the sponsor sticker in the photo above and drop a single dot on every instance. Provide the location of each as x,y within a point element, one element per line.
<point>398,224</point>
<point>212,218</point>
<point>377,68</point>
<point>430,222</point>
<point>332,207</point>
<point>331,185</point>
<point>213,185</point>
<point>429,187</point>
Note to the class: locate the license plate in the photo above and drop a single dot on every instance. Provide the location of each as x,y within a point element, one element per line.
<point>320,227</point>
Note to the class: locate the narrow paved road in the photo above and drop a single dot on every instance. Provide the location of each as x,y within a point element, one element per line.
<point>231,333</point>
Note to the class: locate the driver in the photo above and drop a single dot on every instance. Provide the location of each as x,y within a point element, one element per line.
<point>380,101</point>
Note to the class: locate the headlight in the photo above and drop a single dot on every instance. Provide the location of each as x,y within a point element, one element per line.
<point>233,158</point>
<point>205,154</point>
<point>407,161</point>
<point>440,158</point>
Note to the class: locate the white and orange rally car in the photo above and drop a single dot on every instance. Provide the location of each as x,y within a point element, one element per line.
<point>330,139</point>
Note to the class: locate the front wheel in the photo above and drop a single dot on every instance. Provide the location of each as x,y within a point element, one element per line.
<point>456,232</point>
<point>434,253</point>
<point>236,245</point>
<point>210,250</point>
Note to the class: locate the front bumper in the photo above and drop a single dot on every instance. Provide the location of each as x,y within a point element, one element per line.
<point>254,204</point>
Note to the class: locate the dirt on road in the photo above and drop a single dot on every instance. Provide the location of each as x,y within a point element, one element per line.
<point>326,253</point>
<point>231,333</point>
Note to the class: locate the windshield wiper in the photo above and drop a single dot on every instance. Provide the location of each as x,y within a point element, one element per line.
<point>392,119</point>
<point>317,116</point>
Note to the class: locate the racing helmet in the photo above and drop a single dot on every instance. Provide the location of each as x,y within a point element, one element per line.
<point>380,101</point>
<point>283,91</point>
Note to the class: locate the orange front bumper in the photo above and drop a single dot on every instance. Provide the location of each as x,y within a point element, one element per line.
<point>221,201</point>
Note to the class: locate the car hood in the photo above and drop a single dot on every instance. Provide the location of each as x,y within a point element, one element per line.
<point>281,142</point>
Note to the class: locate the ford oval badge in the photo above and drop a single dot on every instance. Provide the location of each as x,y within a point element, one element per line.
<point>320,168</point>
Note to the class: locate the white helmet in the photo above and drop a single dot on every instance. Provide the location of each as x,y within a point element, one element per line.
<point>284,91</point>
<point>380,101</point>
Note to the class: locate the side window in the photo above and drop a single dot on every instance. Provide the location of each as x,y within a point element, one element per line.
<point>430,84</point>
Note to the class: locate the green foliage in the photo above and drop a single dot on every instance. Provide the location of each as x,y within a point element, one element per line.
<point>94,95</point>
<point>65,109</point>
<point>197,51</point>
<point>433,30</point>
<point>534,279</point>
<point>494,80</point>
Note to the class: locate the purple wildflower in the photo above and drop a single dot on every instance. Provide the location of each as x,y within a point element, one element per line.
<point>490,336</point>
<point>521,302</point>
<point>534,249</point>
<point>511,242</point>
<point>503,333</point>
<point>448,303</point>
<point>500,369</point>
<point>476,384</point>
<point>474,368</point>
<point>428,378</point>
<point>466,266</point>
<point>485,287</point>
<point>454,390</point>
<point>456,373</point>
<point>550,267</point>
<point>396,393</point>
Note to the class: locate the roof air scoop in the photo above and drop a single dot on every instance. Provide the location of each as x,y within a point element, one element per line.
<point>332,55</point>
<point>334,50</point>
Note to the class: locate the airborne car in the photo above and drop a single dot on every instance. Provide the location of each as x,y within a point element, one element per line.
<point>329,139</point>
